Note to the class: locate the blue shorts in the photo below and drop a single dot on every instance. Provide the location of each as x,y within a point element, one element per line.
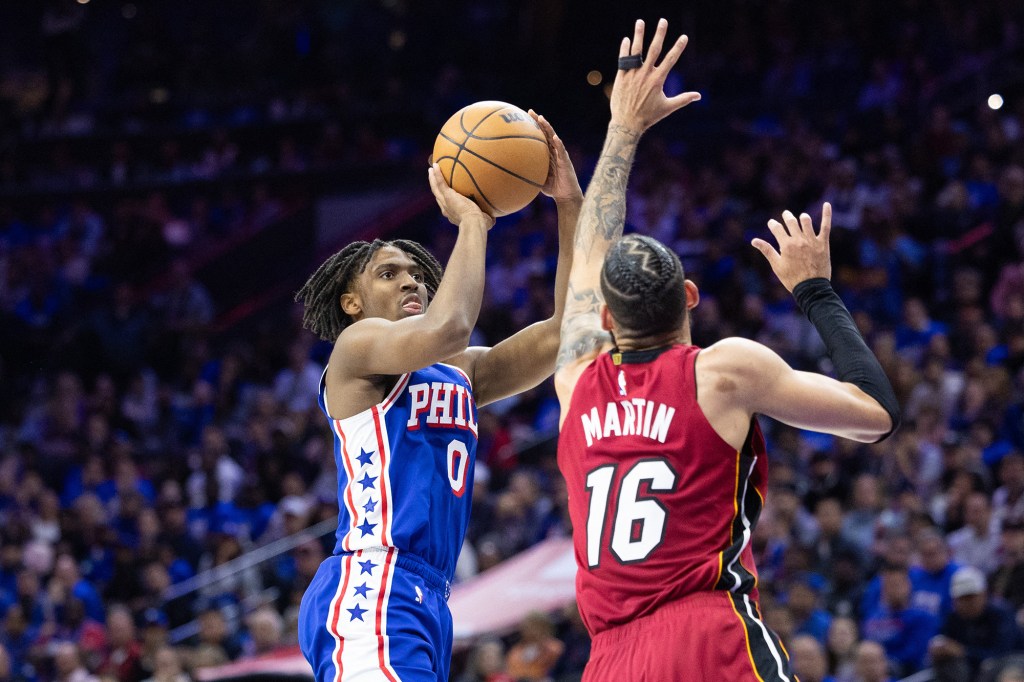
<point>377,615</point>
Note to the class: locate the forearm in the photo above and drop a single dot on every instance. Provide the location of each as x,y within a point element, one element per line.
<point>517,364</point>
<point>853,360</point>
<point>602,218</point>
<point>456,305</point>
<point>568,217</point>
<point>603,214</point>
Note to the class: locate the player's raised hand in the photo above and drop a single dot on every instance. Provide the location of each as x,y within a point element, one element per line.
<point>455,207</point>
<point>802,253</point>
<point>562,183</point>
<point>638,95</point>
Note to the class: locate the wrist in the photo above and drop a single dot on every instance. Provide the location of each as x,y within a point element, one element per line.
<point>807,290</point>
<point>476,221</point>
<point>625,128</point>
<point>569,200</point>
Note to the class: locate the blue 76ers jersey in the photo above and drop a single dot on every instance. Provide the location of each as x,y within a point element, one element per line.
<point>405,467</point>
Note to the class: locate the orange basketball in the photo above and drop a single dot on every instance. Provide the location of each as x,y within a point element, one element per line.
<point>495,154</point>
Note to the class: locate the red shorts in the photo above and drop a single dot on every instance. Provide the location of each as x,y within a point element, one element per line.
<point>705,636</point>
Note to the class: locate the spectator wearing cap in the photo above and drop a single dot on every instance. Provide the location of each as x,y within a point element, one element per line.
<point>1008,580</point>
<point>903,630</point>
<point>292,515</point>
<point>977,543</point>
<point>976,630</point>
<point>931,576</point>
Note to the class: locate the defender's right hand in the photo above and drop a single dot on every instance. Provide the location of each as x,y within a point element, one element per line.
<point>638,95</point>
<point>802,254</point>
<point>455,207</point>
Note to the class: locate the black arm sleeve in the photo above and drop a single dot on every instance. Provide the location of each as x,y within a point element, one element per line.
<point>853,360</point>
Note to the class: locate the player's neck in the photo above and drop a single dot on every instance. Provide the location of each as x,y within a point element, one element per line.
<point>627,342</point>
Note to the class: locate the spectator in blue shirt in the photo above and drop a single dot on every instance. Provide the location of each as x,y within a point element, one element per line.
<point>804,603</point>
<point>930,579</point>
<point>903,630</point>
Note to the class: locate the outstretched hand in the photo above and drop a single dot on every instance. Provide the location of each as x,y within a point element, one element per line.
<point>638,95</point>
<point>455,207</point>
<point>802,254</point>
<point>562,183</point>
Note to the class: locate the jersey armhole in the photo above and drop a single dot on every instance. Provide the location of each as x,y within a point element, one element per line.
<point>384,405</point>
<point>323,391</point>
<point>696,396</point>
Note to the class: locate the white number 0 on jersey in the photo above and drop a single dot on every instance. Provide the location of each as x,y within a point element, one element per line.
<point>458,462</point>
<point>629,542</point>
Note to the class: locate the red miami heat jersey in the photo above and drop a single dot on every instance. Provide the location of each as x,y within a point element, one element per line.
<point>661,506</point>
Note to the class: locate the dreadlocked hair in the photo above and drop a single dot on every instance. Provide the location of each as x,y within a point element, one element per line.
<point>643,285</point>
<point>322,292</point>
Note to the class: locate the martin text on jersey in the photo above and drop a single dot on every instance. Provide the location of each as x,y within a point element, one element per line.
<point>638,417</point>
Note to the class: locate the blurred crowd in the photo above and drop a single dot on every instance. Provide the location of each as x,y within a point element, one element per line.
<point>142,445</point>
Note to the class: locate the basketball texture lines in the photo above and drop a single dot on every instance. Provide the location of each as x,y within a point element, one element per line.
<point>495,154</point>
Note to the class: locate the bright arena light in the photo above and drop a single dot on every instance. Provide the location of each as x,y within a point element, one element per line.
<point>995,101</point>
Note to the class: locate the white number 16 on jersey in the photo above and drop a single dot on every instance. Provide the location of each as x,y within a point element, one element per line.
<point>638,524</point>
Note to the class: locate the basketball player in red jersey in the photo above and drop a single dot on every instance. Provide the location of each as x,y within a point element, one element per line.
<point>665,463</point>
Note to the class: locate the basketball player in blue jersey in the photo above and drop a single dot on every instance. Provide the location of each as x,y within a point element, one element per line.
<point>401,392</point>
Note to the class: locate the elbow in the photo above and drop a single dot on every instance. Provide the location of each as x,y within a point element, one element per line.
<point>891,419</point>
<point>452,336</point>
<point>460,331</point>
<point>895,419</point>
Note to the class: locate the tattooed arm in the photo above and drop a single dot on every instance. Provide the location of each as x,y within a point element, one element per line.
<point>638,102</point>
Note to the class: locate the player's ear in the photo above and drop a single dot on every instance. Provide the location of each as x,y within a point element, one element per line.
<point>351,304</point>
<point>692,294</point>
<point>607,323</point>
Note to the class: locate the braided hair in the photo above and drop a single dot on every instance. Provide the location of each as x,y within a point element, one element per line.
<point>643,285</point>
<point>321,294</point>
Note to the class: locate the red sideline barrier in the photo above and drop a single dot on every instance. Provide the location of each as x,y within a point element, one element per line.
<point>543,578</point>
<point>283,664</point>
